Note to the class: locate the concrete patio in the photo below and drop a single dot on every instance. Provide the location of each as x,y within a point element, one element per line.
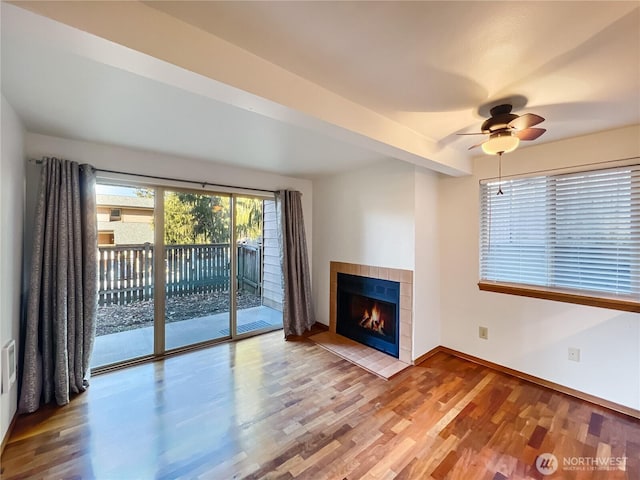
<point>130,344</point>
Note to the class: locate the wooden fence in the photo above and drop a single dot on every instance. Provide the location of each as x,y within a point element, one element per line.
<point>125,274</point>
<point>249,267</point>
<point>126,271</point>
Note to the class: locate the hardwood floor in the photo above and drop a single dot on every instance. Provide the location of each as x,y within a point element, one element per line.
<point>265,408</point>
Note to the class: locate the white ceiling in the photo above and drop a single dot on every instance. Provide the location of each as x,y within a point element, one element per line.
<point>430,65</point>
<point>426,66</point>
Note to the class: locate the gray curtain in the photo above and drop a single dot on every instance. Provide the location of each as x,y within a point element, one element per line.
<point>59,327</point>
<point>297,315</point>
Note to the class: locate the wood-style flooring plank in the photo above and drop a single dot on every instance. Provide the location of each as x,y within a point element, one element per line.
<point>262,408</point>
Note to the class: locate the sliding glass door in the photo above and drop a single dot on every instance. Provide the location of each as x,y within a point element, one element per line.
<point>197,238</point>
<point>181,267</point>
<point>126,285</point>
<point>258,274</point>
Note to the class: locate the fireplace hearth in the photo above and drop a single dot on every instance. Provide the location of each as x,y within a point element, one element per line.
<point>368,311</point>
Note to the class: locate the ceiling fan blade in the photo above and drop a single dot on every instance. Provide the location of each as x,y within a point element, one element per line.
<point>474,133</point>
<point>530,133</point>
<point>475,146</point>
<point>525,121</point>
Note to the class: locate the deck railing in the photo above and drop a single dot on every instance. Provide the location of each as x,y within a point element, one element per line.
<point>126,271</point>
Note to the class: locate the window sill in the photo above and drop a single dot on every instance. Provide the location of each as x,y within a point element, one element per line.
<point>561,296</point>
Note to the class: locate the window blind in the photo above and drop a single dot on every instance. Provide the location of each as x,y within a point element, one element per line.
<point>575,231</point>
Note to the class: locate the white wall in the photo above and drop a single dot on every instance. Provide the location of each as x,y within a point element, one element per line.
<point>364,216</point>
<point>12,180</point>
<point>526,334</point>
<point>385,215</point>
<point>426,296</point>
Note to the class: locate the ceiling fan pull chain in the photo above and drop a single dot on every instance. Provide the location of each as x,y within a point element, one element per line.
<point>500,192</point>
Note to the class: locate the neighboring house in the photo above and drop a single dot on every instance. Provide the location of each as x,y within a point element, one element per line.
<point>124,220</point>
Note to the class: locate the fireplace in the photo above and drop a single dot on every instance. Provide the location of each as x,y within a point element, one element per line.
<point>368,311</point>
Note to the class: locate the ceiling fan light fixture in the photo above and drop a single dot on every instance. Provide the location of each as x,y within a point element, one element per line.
<point>500,142</point>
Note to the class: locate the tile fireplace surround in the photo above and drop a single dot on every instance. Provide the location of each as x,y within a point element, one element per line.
<point>405,277</point>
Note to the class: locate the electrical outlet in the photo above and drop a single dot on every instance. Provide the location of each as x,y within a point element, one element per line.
<point>483,332</point>
<point>574,354</point>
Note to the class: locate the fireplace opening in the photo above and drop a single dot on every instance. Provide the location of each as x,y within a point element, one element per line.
<point>374,316</point>
<point>367,311</point>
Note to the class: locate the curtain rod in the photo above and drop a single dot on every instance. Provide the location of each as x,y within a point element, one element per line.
<point>157,177</point>
<point>603,162</point>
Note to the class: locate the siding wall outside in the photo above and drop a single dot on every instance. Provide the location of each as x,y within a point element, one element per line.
<point>272,279</point>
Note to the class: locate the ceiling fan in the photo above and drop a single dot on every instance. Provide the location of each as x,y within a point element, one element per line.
<point>506,129</point>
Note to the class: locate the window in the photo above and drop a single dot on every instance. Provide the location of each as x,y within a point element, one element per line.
<point>577,234</point>
<point>106,238</point>
<point>115,215</point>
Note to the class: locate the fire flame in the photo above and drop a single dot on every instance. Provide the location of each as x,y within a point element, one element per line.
<point>373,320</point>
